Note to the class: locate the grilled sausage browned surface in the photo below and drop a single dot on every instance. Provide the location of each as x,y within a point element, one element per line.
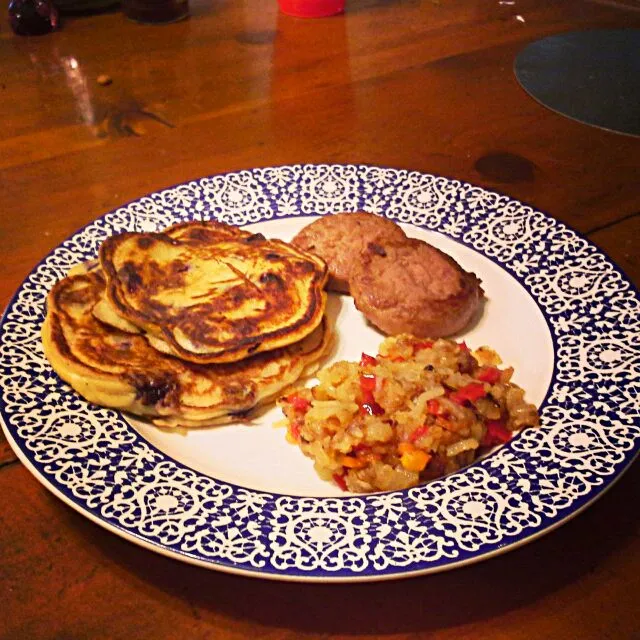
<point>340,238</point>
<point>412,287</point>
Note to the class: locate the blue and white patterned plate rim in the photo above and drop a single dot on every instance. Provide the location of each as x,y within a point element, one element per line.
<point>97,463</point>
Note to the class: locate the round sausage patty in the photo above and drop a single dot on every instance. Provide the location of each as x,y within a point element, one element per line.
<point>412,287</point>
<point>340,238</point>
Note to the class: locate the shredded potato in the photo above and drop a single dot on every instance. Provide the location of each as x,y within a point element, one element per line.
<point>418,410</point>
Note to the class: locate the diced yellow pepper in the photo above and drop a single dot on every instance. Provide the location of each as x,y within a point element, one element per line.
<point>405,447</point>
<point>352,463</point>
<point>415,460</point>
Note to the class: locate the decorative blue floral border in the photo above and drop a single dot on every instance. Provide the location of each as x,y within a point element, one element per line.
<point>92,458</point>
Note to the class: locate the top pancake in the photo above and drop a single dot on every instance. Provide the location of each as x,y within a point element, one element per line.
<point>211,293</point>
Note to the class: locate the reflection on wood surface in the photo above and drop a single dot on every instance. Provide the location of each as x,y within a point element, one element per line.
<point>416,84</point>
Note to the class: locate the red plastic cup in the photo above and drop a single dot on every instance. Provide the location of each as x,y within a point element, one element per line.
<point>311,8</point>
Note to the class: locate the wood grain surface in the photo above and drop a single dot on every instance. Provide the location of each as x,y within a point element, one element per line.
<point>416,84</point>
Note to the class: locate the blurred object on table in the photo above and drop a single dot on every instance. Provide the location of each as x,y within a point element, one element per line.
<point>294,76</point>
<point>33,17</point>
<point>311,8</point>
<point>590,76</point>
<point>82,7</point>
<point>155,11</point>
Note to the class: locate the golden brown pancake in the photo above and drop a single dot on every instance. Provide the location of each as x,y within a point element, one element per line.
<point>211,293</point>
<point>116,369</point>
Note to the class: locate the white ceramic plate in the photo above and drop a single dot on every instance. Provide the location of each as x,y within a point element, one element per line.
<point>238,498</point>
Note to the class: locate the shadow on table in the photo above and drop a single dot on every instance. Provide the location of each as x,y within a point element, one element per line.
<point>481,591</point>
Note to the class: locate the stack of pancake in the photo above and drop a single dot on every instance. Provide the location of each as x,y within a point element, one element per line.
<point>198,325</point>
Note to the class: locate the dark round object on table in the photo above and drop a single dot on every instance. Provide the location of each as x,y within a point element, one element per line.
<point>589,76</point>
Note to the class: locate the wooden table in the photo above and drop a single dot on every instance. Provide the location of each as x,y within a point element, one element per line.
<point>418,84</point>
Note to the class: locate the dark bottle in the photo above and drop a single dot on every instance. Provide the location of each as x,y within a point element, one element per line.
<point>32,17</point>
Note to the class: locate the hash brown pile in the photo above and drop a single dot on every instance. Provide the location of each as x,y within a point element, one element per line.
<point>417,410</point>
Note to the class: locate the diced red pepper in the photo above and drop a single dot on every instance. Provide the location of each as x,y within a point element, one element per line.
<point>367,382</point>
<point>416,434</point>
<point>298,402</point>
<point>367,361</point>
<point>426,344</point>
<point>338,478</point>
<point>497,433</point>
<point>489,374</point>
<point>367,395</point>
<point>295,430</point>
<point>369,405</point>
<point>463,346</point>
<point>472,391</point>
<point>371,408</point>
<point>433,407</point>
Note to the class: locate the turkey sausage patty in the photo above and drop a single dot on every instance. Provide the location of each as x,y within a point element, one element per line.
<point>412,287</point>
<point>340,238</point>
